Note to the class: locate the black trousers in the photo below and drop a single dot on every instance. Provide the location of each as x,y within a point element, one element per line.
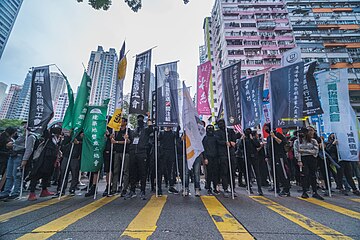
<point>224,172</point>
<point>346,169</point>
<point>44,184</point>
<point>309,171</point>
<point>254,163</point>
<point>74,168</point>
<point>138,170</point>
<point>282,173</point>
<point>212,172</point>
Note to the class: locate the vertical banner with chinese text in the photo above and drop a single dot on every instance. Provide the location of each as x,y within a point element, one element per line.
<point>41,108</point>
<point>94,140</point>
<point>311,99</point>
<point>286,95</point>
<point>167,106</point>
<point>252,98</point>
<point>231,94</point>
<point>139,98</point>
<point>203,81</point>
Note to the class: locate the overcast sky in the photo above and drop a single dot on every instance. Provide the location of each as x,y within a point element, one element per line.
<point>65,32</point>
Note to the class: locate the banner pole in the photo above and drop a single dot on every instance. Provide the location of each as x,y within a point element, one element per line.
<point>274,166</point>
<point>110,167</point>
<point>325,160</point>
<point>184,161</point>
<point>246,168</point>
<point>177,165</point>
<point>230,169</point>
<point>123,159</point>
<point>23,169</point>
<point>156,165</point>
<point>66,170</point>
<point>97,184</point>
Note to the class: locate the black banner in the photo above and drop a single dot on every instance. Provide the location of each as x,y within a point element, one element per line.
<point>231,94</point>
<point>286,95</point>
<point>252,99</point>
<point>153,107</point>
<point>167,106</point>
<point>139,99</point>
<point>41,108</point>
<point>311,99</point>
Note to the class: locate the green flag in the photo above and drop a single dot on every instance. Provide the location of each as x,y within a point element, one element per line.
<point>67,122</point>
<point>94,139</point>
<point>81,103</point>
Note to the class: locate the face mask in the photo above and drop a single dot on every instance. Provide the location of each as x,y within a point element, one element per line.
<point>140,123</point>
<point>221,125</point>
<point>210,131</point>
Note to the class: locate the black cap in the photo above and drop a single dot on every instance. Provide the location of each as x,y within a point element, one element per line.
<point>140,116</point>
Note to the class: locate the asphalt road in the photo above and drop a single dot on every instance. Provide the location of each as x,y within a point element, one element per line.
<point>176,217</point>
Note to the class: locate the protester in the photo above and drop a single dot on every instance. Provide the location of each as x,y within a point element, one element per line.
<point>106,155</point>
<point>6,144</point>
<point>306,150</point>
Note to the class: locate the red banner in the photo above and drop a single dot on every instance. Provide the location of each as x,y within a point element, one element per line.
<point>204,73</point>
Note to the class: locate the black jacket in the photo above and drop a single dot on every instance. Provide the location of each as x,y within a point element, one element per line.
<point>141,139</point>
<point>251,146</point>
<point>221,142</point>
<point>210,146</point>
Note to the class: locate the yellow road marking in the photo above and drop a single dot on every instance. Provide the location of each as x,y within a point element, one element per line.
<point>307,223</point>
<point>227,225</point>
<point>6,216</point>
<point>53,227</point>
<point>333,207</point>
<point>144,224</point>
<point>355,199</point>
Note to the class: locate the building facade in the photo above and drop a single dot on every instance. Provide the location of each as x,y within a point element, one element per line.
<point>3,87</point>
<point>9,10</point>
<point>255,32</point>
<point>329,32</point>
<point>10,102</point>
<point>60,107</point>
<point>58,86</point>
<point>22,109</point>
<point>102,68</point>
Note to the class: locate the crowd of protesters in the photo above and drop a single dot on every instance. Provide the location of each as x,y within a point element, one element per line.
<point>230,161</point>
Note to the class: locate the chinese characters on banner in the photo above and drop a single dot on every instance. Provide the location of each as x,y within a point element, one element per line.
<point>337,117</point>
<point>167,106</point>
<point>203,81</point>
<point>231,94</point>
<point>252,98</point>
<point>311,100</point>
<point>41,108</point>
<point>94,140</point>
<point>140,87</point>
<point>286,95</point>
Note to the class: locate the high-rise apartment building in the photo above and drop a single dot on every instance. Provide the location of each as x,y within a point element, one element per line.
<point>329,32</point>
<point>3,87</point>
<point>102,68</point>
<point>22,108</point>
<point>10,102</point>
<point>9,10</point>
<point>203,54</point>
<point>58,86</point>
<point>255,32</point>
<point>60,107</point>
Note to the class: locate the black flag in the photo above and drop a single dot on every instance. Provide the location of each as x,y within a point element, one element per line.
<point>231,94</point>
<point>286,95</point>
<point>139,99</point>
<point>41,108</point>
<point>167,106</point>
<point>252,99</point>
<point>311,99</point>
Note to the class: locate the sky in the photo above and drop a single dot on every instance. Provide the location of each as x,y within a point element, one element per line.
<point>65,32</point>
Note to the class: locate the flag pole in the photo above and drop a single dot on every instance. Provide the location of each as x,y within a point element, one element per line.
<point>325,161</point>
<point>274,166</point>
<point>246,168</point>
<point>156,164</point>
<point>123,158</point>
<point>230,169</point>
<point>184,161</point>
<point>110,166</point>
<point>177,164</point>
<point>97,183</point>
<point>66,170</point>
<point>272,124</point>
<point>23,169</point>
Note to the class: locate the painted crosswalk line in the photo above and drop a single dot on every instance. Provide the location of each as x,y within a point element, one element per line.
<point>53,227</point>
<point>301,220</point>
<point>144,224</point>
<point>225,222</point>
<point>355,199</point>
<point>6,216</point>
<point>333,207</point>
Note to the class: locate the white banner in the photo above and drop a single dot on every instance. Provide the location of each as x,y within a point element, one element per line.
<point>291,56</point>
<point>337,117</point>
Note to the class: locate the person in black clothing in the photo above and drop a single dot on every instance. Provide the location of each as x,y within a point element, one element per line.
<point>222,145</point>
<point>211,159</point>
<point>74,165</point>
<point>167,162</point>
<point>345,166</point>
<point>125,134</point>
<point>251,145</point>
<point>6,145</point>
<point>239,154</point>
<point>106,155</point>
<point>281,165</point>
<point>138,156</point>
<point>262,163</point>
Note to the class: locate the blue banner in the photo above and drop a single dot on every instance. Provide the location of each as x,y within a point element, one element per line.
<point>286,95</point>
<point>251,92</point>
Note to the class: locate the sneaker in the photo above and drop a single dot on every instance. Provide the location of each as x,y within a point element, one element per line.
<point>173,190</point>
<point>91,191</point>
<point>304,195</point>
<point>32,197</point>
<point>160,193</point>
<point>251,191</point>
<point>356,192</point>
<point>142,195</point>
<point>216,192</point>
<point>5,196</point>
<point>186,192</point>
<point>317,196</point>
<point>260,193</point>
<point>131,194</point>
<point>72,193</point>
<point>12,197</point>
<point>209,192</point>
<point>46,193</point>
<point>123,193</point>
<point>197,192</point>
<point>285,194</point>
<point>343,191</point>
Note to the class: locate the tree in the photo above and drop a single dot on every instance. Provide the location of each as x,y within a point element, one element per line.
<point>135,5</point>
<point>4,123</point>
